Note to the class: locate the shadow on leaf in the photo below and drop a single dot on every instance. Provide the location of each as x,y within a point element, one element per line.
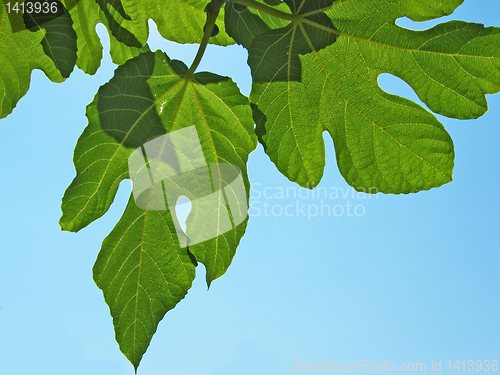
<point>273,54</point>
<point>113,10</point>
<point>59,42</point>
<point>127,103</point>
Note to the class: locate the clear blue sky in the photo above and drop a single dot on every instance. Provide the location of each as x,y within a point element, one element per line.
<point>414,279</point>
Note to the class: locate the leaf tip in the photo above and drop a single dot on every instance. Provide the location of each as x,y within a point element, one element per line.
<point>308,183</point>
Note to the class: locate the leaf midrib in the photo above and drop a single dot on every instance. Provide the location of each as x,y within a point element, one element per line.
<point>390,46</point>
<point>302,18</point>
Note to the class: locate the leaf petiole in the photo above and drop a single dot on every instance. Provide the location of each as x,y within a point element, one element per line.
<point>212,13</point>
<point>213,9</point>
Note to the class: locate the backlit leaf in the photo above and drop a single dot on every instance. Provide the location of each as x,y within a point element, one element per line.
<point>142,268</point>
<point>86,14</point>
<point>180,21</point>
<point>21,51</point>
<point>59,42</point>
<point>319,73</point>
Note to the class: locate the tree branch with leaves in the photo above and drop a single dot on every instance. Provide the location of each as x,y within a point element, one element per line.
<point>314,66</point>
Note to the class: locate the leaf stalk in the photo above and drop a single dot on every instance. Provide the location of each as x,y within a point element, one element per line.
<point>212,10</point>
